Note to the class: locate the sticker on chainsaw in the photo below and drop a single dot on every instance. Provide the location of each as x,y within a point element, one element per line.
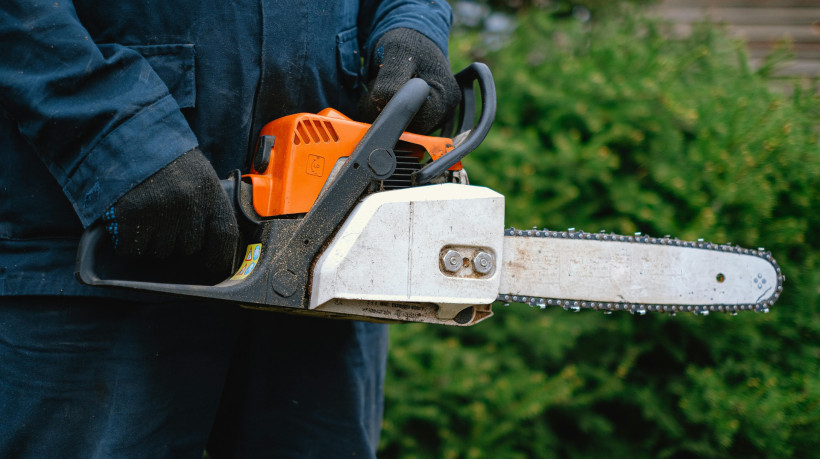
<point>250,261</point>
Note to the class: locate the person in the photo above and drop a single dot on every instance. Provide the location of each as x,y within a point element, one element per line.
<point>129,112</point>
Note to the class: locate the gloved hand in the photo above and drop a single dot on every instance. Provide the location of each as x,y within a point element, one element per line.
<point>402,54</point>
<point>180,210</point>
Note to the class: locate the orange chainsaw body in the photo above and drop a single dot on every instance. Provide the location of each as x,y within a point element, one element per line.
<point>305,150</point>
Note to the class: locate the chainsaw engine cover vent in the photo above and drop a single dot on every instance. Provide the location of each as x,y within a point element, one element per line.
<point>313,130</point>
<point>408,160</point>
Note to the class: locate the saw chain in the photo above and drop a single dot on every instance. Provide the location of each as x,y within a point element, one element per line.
<point>608,307</point>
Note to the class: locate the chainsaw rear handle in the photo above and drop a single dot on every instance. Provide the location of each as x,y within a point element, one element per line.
<point>475,131</point>
<point>96,257</point>
<point>90,243</point>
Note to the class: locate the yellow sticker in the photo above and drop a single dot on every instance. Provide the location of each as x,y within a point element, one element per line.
<point>250,262</point>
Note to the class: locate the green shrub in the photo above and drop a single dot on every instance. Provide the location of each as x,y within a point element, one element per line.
<point>612,125</point>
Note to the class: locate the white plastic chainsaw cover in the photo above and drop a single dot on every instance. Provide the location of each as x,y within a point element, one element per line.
<point>391,249</point>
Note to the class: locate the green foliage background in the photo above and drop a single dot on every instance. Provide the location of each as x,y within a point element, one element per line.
<point>612,125</point>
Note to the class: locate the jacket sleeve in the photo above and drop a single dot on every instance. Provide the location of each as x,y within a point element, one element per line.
<point>100,119</point>
<point>431,18</point>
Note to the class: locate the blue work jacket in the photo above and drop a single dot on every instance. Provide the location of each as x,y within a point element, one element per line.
<point>97,95</point>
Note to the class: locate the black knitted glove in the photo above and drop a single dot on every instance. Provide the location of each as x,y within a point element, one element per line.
<point>180,210</point>
<point>402,54</point>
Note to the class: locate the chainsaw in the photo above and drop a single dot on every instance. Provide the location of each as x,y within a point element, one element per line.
<point>343,219</point>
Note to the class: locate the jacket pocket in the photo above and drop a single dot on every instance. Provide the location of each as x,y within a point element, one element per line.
<point>349,58</point>
<point>175,66</point>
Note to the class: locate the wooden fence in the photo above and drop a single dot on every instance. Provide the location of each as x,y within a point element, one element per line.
<point>761,24</point>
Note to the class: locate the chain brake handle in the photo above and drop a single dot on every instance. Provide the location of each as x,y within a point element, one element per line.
<point>470,132</point>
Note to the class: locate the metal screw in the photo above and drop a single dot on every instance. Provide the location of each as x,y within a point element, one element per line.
<point>452,261</point>
<point>483,262</point>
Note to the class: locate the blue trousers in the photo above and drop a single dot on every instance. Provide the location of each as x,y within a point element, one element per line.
<point>98,378</point>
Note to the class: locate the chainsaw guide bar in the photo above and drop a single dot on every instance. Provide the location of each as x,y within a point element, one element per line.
<point>671,275</point>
